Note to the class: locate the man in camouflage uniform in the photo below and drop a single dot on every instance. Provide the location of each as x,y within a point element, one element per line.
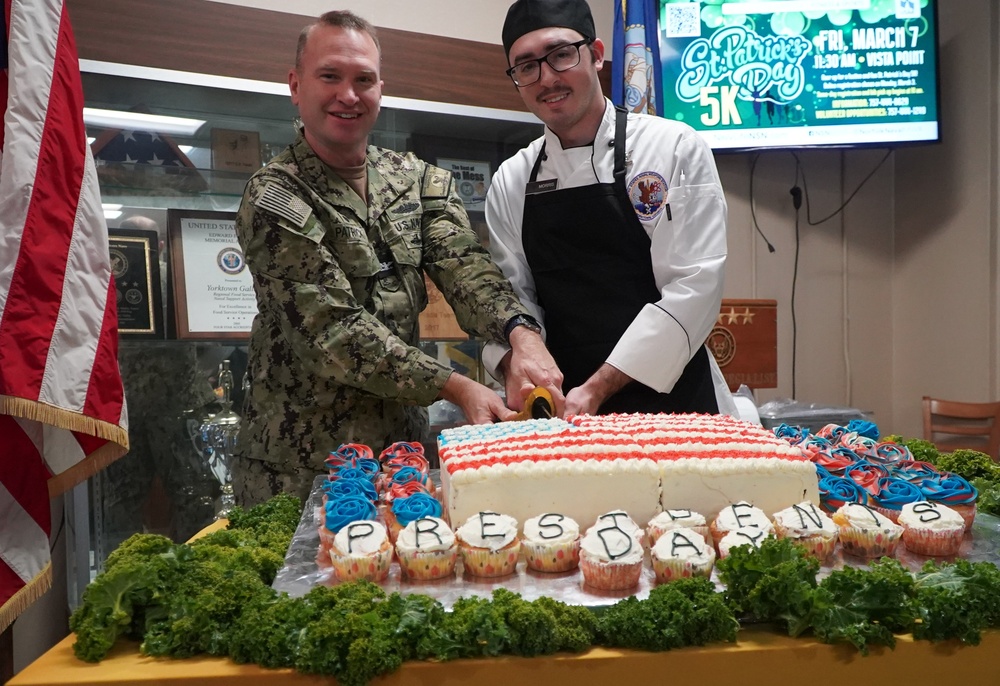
<point>337,236</point>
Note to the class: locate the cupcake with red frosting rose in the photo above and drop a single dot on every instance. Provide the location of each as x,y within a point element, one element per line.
<point>611,553</point>
<point>835,460</point>
<point>427,549</point>
<point>866,533</point>
<point>361,550</point>
<point>348,454</point>
<point>400,448</point>
<point>551,543</point>
<point>668,520</point>
<point>681,553</point>
<point>489,544</point>
<point>892,495</point>
<point>914,471</point>
<point>808,526</point>
<point>931,529</point>
<point>866,474</point>
<point>955,492</point>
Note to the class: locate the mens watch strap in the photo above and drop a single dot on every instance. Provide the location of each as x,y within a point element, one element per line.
<point>520,320</point>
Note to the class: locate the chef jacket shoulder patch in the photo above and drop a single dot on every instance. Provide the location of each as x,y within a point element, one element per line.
<point>436,183</point>
<point>648,193</point>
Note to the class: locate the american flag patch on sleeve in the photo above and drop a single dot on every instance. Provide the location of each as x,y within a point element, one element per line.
<point>285,204</point>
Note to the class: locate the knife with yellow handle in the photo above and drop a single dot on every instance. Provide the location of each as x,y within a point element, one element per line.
<point>538,405</point>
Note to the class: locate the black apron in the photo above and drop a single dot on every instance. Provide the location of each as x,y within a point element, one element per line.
<point>593,273</point>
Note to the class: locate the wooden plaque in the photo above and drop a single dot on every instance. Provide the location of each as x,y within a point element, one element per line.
<point>437,321</point>
<point>745,343</point>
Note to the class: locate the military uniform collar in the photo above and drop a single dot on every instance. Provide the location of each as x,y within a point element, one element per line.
<point>389,175</point>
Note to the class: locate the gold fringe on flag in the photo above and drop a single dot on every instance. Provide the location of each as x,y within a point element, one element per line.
<point>20,601</point>
<point>61,418</point>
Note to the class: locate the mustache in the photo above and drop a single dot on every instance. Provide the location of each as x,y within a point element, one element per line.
<point>551,92</point>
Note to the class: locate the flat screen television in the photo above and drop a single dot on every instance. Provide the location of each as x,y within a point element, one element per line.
<point>757,74</point>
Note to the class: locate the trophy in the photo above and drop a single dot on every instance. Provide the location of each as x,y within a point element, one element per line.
<point>218,440</point>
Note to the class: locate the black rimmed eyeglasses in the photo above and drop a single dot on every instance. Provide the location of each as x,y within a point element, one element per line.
<point>560,59</point>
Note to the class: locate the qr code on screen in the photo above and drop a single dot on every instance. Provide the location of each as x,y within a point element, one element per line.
<point>683,20</point>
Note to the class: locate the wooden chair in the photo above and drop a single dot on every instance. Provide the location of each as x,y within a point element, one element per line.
<point>952,425</point>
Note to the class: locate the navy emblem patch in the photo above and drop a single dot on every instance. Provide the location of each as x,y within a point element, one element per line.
<point>648,193</point>
<point>230,260</point>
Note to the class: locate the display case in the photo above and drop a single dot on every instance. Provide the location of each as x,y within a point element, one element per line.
<point>150,177</point>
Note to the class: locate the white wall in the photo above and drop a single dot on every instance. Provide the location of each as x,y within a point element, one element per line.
<point>478,20</point>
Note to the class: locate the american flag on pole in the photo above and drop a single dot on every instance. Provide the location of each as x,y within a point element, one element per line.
<point>62,407</point>
<point>635,79</point>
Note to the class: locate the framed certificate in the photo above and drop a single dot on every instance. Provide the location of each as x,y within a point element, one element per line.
<point>135,264</point>
<point>212,288</point>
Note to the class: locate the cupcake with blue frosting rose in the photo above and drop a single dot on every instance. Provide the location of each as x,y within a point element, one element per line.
<point>336,513</point>
<point>892,495</point>
<point>413,507</point>
<point>955,492</point>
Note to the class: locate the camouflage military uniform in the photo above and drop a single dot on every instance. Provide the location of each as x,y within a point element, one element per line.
<point>339,286</point>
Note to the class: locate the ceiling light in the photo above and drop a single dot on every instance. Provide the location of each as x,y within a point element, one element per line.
<point>140,121</point>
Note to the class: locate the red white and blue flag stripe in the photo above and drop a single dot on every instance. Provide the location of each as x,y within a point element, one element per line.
<point>62,407</point>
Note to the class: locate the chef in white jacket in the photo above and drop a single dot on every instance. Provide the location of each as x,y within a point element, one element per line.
<point>612,229</point>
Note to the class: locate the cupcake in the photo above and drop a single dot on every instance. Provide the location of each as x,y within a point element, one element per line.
<point>405,510</point>
<point>337,513</point>
<point>808,526</point>
<point>955,492</point>
<point>620,519</point>
<point>738,516</point>
<point>866,533</point>
<point>489,544</point>
<point>892,495</point>
<point>931,529</point>
<point>361,550</point>
<point>668,520</point>
<point>611,553</point>
<point>680,553</point>
<point>837,491</point>
<point>426,549</point>
<point>551,543</point>
<point>747,535</point>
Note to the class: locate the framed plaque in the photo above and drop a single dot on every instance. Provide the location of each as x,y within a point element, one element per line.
<point>212,288</point>
<point>135,264</point>
<point>237,151</point>
<point>437,321</point>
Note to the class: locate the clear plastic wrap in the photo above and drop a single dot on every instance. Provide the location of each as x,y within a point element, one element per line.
<point>302,571</point>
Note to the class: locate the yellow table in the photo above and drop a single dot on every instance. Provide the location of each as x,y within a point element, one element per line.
<point>761,657</point>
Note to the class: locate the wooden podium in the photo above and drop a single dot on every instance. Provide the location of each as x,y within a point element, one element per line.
<point>745,343</point>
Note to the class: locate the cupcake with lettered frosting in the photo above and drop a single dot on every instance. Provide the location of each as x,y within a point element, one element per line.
<point>426,549</point>
<point>551,543</point>
<point>668,520</point>
<point>746,535</point>
<point>361,550</point>
<point>808,526</point>
<point>738,516</point>
<point>931,529</point>
<point>611,553</point>
<point>955,492</point>
<point>489,544</point>
<point>679,553</point>
<point>865,532</point>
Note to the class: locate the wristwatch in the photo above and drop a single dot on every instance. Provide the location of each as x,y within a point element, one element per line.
<point>525,320</point>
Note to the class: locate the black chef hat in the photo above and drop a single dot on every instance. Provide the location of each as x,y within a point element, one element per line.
<point>525,16</point>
